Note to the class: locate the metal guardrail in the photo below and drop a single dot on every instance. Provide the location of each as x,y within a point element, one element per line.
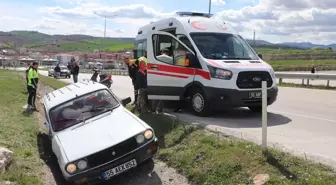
<point>279,75</point>
<point>305,76</point>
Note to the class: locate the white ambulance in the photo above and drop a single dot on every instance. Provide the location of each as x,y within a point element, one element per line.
<point>197,58</point>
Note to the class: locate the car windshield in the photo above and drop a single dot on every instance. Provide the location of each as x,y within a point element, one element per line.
<point>63,68</point>
<point>223,46</point>
<point>82,108</point>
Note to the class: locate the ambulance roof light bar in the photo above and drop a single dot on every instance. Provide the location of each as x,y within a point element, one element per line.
<point>194,14</point>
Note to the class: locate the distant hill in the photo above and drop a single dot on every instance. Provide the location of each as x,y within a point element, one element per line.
<point>308,45</point>
<point>84,43</point>
<point>37,41</point>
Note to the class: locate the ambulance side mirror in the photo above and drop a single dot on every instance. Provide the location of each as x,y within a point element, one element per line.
<point>190,59</point>
<point>260,56</point>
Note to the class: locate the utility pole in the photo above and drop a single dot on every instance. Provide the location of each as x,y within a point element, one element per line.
<point>105,27</point>
<point>254,44</point>
<point>209,6</point>
<point>105,17</point>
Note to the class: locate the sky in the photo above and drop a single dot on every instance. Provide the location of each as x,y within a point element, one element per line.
<point>273,20</point>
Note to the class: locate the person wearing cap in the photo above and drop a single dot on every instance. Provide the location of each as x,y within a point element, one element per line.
<point>32,86</point>
<point>132,70</point>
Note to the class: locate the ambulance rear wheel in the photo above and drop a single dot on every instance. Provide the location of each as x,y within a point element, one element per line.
<point>199,103</point>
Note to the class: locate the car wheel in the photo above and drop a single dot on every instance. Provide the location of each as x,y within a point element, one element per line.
<point>255,108</point>
<point>199,103</point>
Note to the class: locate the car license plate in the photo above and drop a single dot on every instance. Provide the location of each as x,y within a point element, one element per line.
<point>254,95</point>
<point>119,169</point>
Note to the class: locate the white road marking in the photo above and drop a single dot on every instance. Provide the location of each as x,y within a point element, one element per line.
<point>304,116</point>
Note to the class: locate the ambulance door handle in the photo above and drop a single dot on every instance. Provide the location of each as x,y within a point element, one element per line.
<point>154,67</point>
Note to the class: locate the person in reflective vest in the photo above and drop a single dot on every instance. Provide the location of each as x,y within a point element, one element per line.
<point>32,85</point>
<point>141,81</point>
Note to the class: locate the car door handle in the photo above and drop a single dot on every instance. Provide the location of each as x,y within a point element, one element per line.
<point>154,67</point>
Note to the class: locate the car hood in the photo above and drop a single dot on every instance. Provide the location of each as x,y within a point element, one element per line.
<point>99,134</point>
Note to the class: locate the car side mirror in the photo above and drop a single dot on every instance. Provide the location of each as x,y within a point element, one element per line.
<point>126,101</point>
<point>260,56</point>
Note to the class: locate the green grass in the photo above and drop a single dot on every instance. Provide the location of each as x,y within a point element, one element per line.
<point>209,159</point>
<point>99,44</point>
<point>290,51</point>
<point>294,63</point>
<point>18,131</point>
<point>324,87</point>
<point>56,84</point>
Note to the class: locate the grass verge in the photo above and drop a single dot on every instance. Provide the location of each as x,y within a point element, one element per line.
<point>18,131</point>
<point>206,158</point>
<point>209,159</point>
<point>306,86</point>
<point>55,84</point>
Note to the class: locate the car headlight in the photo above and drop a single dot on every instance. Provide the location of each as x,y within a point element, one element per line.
<point>148,134</point>
<point>82,164</point>
<point>140,139</point>
<point>220,73</point>
<point>71,168</point>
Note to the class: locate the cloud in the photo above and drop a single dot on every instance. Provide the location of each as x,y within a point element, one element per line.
<point>119,31</point>
<point>278,20</point>
<point>299,4</point>
<point>218,2</point>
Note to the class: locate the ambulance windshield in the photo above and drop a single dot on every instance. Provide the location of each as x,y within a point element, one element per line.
<point>223,46</point>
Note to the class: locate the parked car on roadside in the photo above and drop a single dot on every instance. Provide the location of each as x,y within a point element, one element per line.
<point>93,135</point>
<point>51,71</point>
<point>65,72</point>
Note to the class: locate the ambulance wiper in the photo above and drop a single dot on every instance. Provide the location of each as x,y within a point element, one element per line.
<point>239,58</point>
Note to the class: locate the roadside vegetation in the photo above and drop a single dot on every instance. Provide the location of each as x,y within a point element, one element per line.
<point>291,51</point>
<point>208,158</point>
<point>18,131</point>
<point>323,87</point>
<point>302,63</point>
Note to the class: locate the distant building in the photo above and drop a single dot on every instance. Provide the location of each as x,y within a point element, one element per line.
<point>64,58</point>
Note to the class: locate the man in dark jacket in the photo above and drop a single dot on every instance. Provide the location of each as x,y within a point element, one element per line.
<point>75,72</point>
<point>57,71</point>
<point>132,71</point>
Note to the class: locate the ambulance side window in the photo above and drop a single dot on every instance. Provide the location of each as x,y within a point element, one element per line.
<point>169,50</point>
<point>162,48</point>
<point>141,47</point>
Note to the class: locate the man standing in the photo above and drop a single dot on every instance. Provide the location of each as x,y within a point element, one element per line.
<point>75,72</point>
<point>141,81</point>
<point>132,71</point>
<point>32,86</point>
<point>57,71</point>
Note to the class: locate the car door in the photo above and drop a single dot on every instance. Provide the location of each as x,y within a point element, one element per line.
<point>167,73</point>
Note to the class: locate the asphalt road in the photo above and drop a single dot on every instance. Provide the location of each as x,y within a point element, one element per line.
<point>302,120</point>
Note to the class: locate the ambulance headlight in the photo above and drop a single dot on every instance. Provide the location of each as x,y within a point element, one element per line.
<point>223,74</point>
<point>272,73</point>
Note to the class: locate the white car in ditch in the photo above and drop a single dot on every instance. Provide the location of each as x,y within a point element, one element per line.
<point>93,135</point>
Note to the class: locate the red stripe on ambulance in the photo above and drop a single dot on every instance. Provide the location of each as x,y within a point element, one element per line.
<point>180,70</point>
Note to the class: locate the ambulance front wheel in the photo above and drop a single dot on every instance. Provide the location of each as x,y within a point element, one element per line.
<point>199,103</point>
